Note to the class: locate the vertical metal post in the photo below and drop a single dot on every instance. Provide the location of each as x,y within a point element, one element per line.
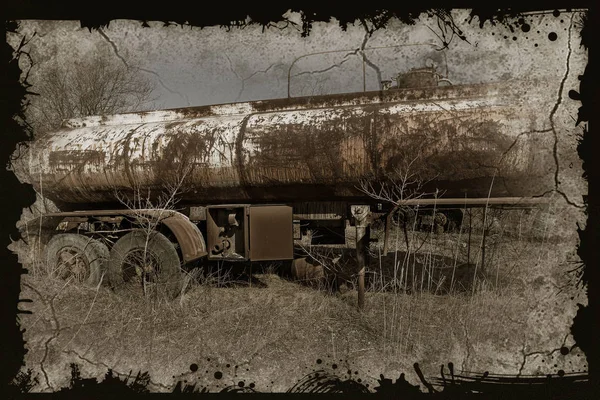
<point>361,220</point>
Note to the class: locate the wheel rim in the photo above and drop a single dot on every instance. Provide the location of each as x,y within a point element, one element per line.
<point>141,268</point>
<point>72,263</point>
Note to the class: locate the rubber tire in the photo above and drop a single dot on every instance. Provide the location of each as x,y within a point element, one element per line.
<point>307,272</point>
<point>96,253</point>
<point>170,277</point>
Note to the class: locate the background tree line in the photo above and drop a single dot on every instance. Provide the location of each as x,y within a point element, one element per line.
<point>93,86</point>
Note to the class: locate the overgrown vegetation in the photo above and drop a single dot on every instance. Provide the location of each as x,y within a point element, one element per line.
<point>415,314</point>
<point>442,292</point>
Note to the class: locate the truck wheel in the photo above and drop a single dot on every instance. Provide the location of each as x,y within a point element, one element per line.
<point>145,262</point>
<point>306,271</point>
<point>76,257</point>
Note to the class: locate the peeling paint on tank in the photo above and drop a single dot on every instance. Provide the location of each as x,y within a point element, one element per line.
<point>305,148</point>
<point>364,98</point>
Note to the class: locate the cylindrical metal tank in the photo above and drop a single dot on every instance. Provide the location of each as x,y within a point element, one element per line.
<point>459,139</point>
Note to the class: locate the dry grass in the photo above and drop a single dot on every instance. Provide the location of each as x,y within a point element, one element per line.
<point>269,329</point>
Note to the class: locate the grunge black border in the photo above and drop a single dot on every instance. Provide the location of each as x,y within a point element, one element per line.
<point>14,196</point>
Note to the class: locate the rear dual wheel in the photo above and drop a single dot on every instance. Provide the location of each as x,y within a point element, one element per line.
<point>143,262</point>
<point>140,262</point>
<point>77,258</point>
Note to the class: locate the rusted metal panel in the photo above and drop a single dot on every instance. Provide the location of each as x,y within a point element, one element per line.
<point>188,236</point>
<point>324,210</point>
<point>197,213</point>
<point>271,236</point>
<point>227,232</point>
<point>306,149</point>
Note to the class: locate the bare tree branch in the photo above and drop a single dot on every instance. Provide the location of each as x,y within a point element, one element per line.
<point>92,87</point>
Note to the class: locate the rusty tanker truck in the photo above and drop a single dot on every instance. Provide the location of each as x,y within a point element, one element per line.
<point>251,179</point>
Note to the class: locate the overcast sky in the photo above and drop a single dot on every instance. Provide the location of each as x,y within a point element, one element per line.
<point>193,66</point>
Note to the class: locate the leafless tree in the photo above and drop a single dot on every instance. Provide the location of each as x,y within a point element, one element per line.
<point>96,86</point>
<point>149,211</point>
<point>404,182</point>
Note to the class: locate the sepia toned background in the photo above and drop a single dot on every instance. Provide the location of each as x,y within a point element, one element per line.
<point>273,335</point>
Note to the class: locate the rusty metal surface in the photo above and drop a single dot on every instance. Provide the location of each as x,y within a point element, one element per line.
<point>514,201</point>
<point>197,213</point>
<point>306,149</point>
<point>227,232</point>
<point>188,235</point>
<point>271,233</point>
<point>307,270</point>
<point>39,225</point>
<point>325,210</point>
<point>161,214</point>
